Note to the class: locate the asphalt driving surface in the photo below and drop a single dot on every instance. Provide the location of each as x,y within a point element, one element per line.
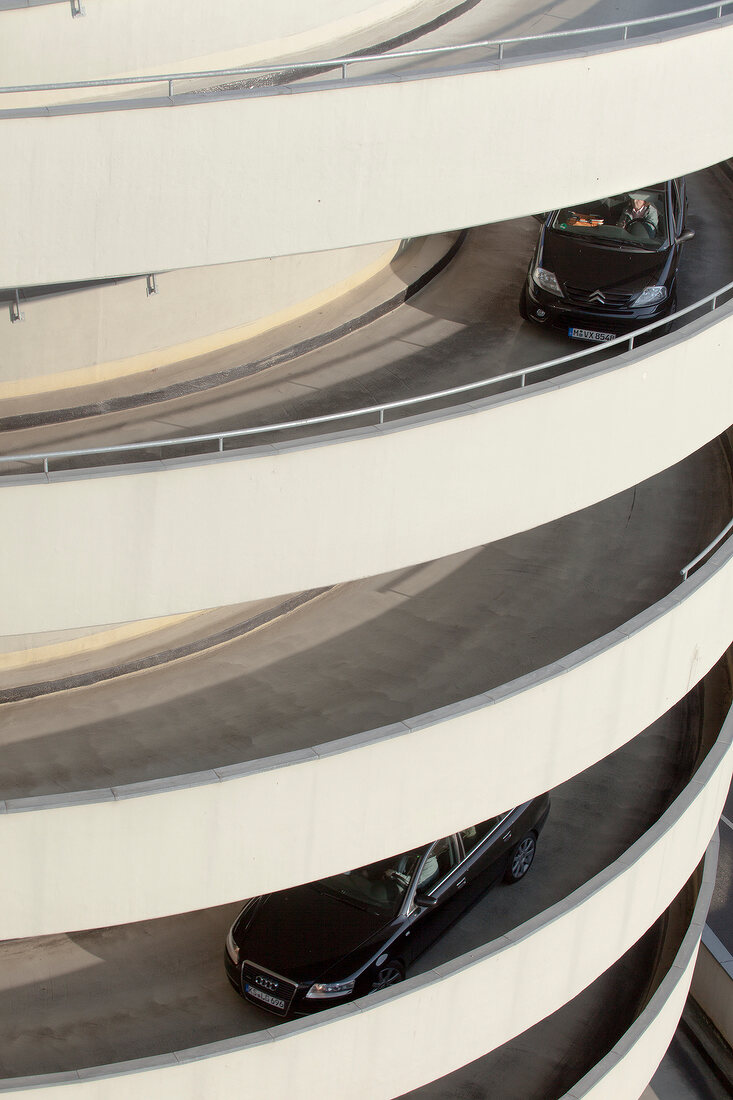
<point>94,997</point>
<point>376,651</point>
<point>462,328</point>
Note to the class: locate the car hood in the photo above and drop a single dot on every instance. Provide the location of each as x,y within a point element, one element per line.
<point>589,267</point>
<point>301,933</point>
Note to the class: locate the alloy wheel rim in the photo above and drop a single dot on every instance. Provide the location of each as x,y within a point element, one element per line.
<point>523,857</point>
<point>388,975</point>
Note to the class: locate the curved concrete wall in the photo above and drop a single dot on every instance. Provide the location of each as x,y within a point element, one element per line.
<point>365,159</point>
<point>629,1067</point>
<point>113,856</point>
<point>460,1010</point>
<point>45,45</point>
<point>106,331</point>
<point>294,516</point>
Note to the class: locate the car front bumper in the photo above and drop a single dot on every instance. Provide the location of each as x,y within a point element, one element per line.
<point>559,313</point>
<point>300,1004</point>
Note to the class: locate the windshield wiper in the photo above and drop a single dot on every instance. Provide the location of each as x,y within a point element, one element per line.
<point>611,242</point>
<point>578,236</point>
<point>342,896</point>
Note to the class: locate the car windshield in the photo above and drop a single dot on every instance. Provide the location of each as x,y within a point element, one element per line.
<point>379,887</point>
<point>635,219</point>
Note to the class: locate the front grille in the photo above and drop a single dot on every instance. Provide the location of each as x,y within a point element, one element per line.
<point>598,298</point>
<point>267,989</point>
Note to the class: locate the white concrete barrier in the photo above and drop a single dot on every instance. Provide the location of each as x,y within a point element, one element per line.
<point>104,332</point>
<point>115,37</point>
<point>455,1013</point>
<point>364,157</point>
<point>144,542</point>
<point>629,1067</point>
<point>112,856</point>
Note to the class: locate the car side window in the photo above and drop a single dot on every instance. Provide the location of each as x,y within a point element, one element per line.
<point>440,861</point>
<point>473,836</point>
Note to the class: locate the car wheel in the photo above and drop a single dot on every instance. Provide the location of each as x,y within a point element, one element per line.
<point>389,973</point>
<point>523,303</point>
<point>521,858</point>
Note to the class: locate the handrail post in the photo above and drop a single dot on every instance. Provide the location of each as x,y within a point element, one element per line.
<point>170,88</point>
<point>519,377</point>
<point>16,313</point>
<point>626,33</point>
<point>343,71</point>
<point>501,52</point>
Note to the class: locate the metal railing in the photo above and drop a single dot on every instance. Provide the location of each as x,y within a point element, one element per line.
<point>496,47</point>
<point>721,537</point>
<point>12,5</point>
<point>408,404</point>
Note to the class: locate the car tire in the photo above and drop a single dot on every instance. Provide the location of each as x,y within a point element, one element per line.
<point>524,312</point>
<point>389,973</point>
<point>521,859</point>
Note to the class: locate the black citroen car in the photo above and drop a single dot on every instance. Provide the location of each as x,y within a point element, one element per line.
<point>603,268</point>
<point>300,950</point>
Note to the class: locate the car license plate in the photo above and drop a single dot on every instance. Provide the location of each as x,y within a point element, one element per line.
<point>253,991</point>
<point>590,334</point>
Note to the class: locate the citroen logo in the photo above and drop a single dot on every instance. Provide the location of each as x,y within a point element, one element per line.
<point>266,983</point>
<point>597,296</point>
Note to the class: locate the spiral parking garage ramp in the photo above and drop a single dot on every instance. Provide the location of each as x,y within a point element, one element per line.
<point>362,624</point>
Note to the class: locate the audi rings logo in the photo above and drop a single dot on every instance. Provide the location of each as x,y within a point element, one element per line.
<point>266,983</point>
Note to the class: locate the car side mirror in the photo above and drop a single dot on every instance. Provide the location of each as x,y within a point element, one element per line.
<point>425,901</point>
<point>687,235</point>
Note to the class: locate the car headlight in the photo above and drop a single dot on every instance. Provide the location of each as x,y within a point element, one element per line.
<point>547,280</point>
<point>650,295</point>
<point>331,989</point>
<point>232,949</point>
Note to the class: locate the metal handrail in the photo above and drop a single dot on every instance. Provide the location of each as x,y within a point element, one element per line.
<point>343,62</point>
<point>684,573</point>
<point>520,375</point>
<point>13,5</point>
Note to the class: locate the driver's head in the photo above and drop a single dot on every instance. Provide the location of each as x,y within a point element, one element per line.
<point>639,204</point>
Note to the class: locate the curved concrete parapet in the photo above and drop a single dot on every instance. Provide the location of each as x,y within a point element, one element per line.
<point>131,36</point>
<point>108,331</point>
<point>629,1067</point>
<point>456,1012</point>
<point>383,134</point>
<point>112,856</point>
<point>295,516</point>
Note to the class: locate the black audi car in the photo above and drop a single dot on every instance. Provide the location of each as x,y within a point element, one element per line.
<point>603,268</point>
<point>300,950</point>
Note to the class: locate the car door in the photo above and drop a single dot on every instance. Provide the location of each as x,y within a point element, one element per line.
<point>488,859</point>
<point>481,843</point>
<point>440,881</point>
